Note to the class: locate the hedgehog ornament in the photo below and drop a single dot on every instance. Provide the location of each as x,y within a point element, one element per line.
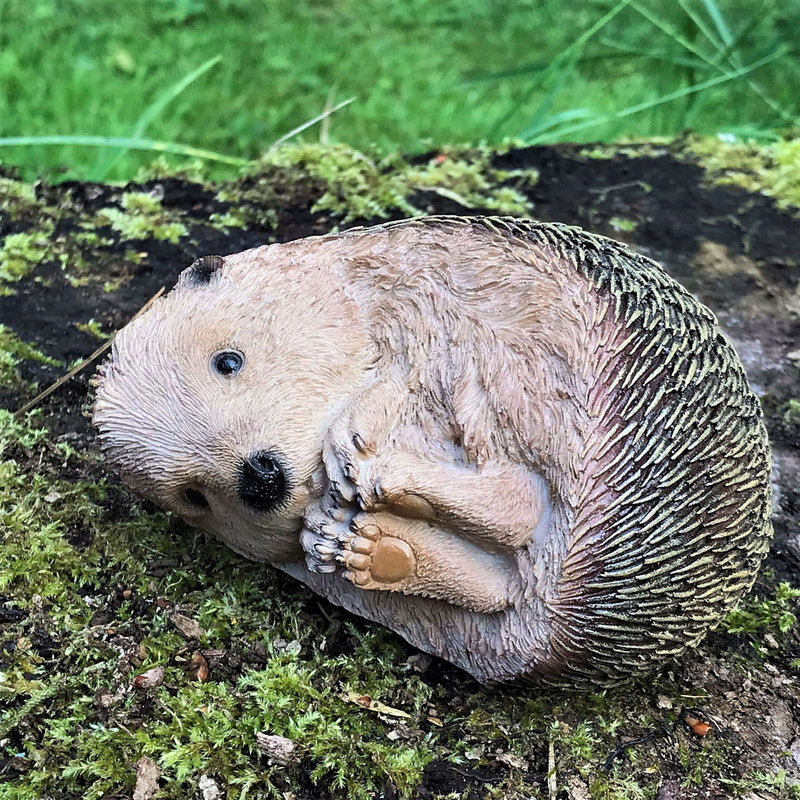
<point>522,447</point>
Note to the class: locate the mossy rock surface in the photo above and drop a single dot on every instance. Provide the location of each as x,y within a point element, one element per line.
<point>97,588</point>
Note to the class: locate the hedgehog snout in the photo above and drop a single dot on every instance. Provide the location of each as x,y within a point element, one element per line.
<point>263,483</point>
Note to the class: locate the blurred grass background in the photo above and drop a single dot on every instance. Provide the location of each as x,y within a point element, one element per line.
<point>232,76</point>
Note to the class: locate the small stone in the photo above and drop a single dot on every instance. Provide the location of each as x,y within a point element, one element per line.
<point>186,626</point>
<point>577,789</point>
<point>277,749</point>
<point>664,702</point>
<point>474,753</point>
<point>150,679</point>
<point>514,761</point>
<point>147,775</point>
<point>208,788</point>
<point>793,545</point>
<point>105,698</point>
<point>794,749</point>
<point>419,662</point>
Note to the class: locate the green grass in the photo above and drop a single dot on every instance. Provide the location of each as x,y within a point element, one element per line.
<point>232,76</point>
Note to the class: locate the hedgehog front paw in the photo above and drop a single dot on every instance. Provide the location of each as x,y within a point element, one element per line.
<point>346,456</point>
<point>370,477</point>
<point>374,560</point>
<point>325,532</point>
<point>359,439</point>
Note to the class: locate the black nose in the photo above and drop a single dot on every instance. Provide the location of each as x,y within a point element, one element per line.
<point>263,484</point>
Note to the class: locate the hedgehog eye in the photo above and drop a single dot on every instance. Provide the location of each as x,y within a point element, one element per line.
<point>227,362</point>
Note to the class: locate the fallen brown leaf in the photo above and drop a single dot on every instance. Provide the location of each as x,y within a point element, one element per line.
<point>198,667</point>
<point>365,701</point>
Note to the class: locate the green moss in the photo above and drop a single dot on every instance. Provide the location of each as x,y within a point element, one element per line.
<point>91,238</point>
<point>12,189</point>
<point>93,328</point>
<point>623,224</point>
<point>467,177</point>
<point>12,351</point>
<point>141,217</point>
<point>21,253</point>
<point>777,785</point>
<point>772,169</point>
<point>224,222</point>
<point>161,168</point>
<point>775,614</point>
<point>354,185</point>
<point>652,147</point>
<point>791,411</point>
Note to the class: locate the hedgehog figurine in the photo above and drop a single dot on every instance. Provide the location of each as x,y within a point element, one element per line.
<point>522,447</point>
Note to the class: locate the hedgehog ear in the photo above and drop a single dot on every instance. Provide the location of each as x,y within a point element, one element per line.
<point>204,271</point>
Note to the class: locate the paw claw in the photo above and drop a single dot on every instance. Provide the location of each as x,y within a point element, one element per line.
<point>358,443</point>
<point>340,514</point>
<point>314,565</point>
<point>344,489</point>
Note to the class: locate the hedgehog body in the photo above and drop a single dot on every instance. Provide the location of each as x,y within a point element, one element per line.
<point>523,447</point>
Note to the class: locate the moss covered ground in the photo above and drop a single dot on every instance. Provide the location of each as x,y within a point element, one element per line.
<point>138,658</point>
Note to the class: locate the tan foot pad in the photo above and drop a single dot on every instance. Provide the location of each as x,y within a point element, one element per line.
<point>392,560</point>
<point>379,559</point>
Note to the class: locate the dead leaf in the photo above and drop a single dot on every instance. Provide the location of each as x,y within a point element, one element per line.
<point>198,667</point>
<point>365,701</point>
<point>147,775</point>
<point>698,726</point>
